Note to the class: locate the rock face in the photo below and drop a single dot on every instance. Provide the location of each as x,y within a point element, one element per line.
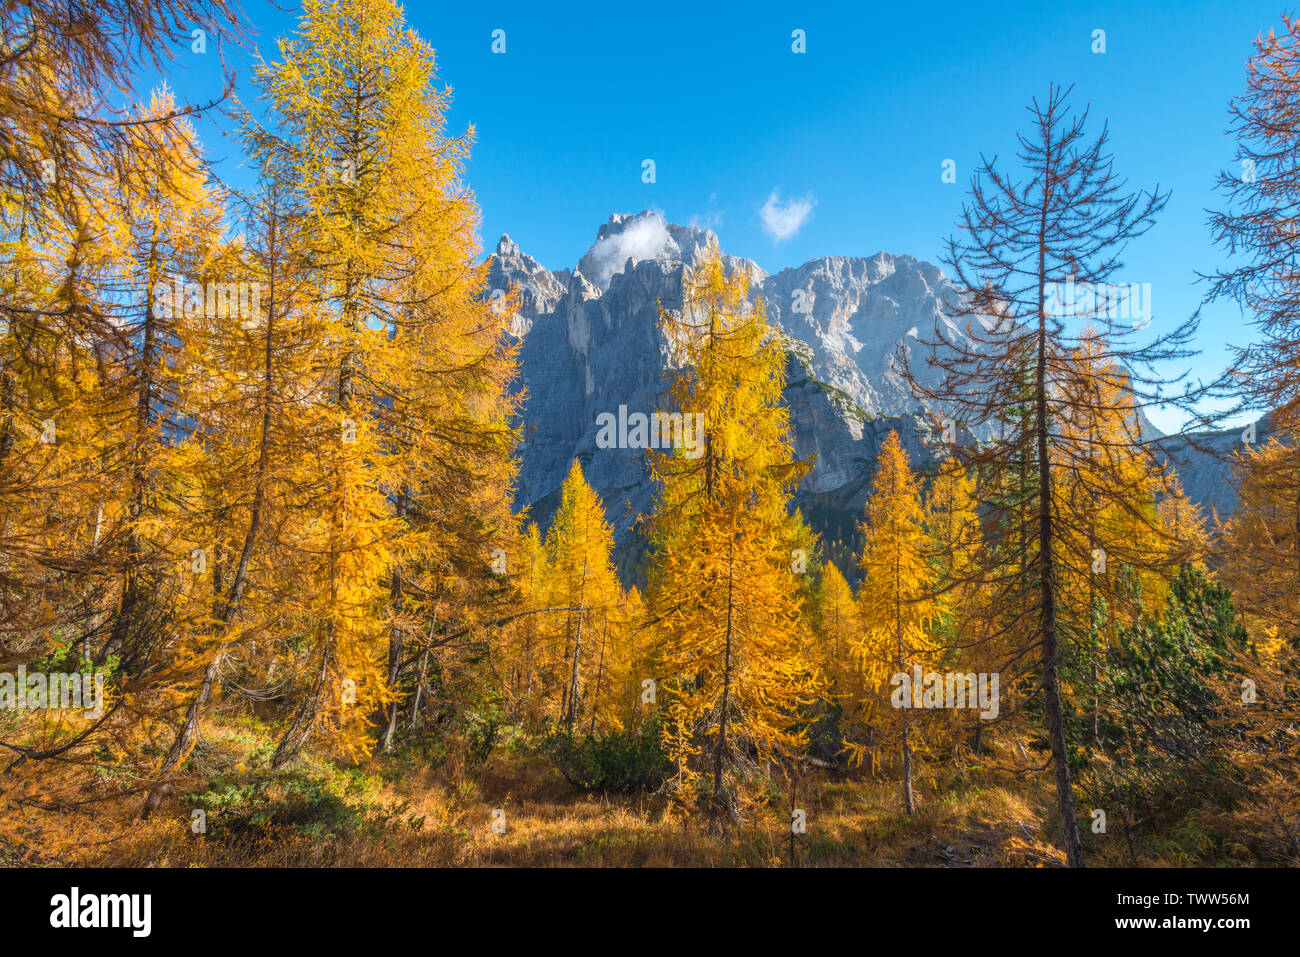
<point>588,349</point>
<point>1203,462</point>
<point>591,343</point>
<point>855,313</point>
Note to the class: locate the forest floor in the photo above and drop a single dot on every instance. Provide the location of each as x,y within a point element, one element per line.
<point>397,811</point>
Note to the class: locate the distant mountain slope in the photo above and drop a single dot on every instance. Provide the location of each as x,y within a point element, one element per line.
<point>1203,461</point>
<point>590,344</point>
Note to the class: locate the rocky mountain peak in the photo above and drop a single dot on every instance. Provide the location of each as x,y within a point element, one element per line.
<point>591,344</point>
<point>636,238</point>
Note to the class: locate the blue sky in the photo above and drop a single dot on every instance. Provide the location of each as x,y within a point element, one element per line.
<point>858,126</point>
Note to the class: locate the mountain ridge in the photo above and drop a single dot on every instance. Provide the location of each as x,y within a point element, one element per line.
<point>589,342</point>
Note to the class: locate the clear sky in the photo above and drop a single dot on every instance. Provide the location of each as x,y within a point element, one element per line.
<point>850,136</point>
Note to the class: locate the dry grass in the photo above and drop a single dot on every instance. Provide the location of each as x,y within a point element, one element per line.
<point>396,812</point>
<point>400,815</point>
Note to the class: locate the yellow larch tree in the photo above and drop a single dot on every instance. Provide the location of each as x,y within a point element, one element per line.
<point>1259,546</point>
<point>897,599</point>
<point>171,215</point>
<point>721,584</point>
<point>836,627</point>
<point>75,147</point>
<point>957,551</point>
<point>1115,554</point>
<point>520,645</point>
<point>415,424</point>
<point>1183,524</point>
<point>581,577</point>
<point>242,377</point>
<point>633,664</point>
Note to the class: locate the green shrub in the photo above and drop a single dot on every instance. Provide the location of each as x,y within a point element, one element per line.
<point>262,809</point>
<point>627,761</point>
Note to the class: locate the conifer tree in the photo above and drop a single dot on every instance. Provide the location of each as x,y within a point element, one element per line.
<point>1257,229</point>
<point>953,524</point>
<point>1262,542</point>
<point>897,600</point>
<point>836,626</point>
<point>170,220</point>
<point>240,380</point>
<point>1022,243</point>
<point>632,664</point>
<point>578,548</point>
<point>958,553</point>
<point>1259,546</point>
<point>720,584</point>
<point>415,420</point>
<point>521,644</point>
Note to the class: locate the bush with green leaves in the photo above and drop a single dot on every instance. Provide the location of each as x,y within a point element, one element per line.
<point>1145,724</point>
<point>626,761</point>
<point>263,807</point>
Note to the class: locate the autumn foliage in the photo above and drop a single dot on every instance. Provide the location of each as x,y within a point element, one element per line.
<point>258,483</point>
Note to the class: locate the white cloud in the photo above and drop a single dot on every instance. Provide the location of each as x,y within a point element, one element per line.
<point>783,218</point>
<point>644,237</point>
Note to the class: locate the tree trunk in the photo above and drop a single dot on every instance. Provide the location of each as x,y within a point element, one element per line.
<point>572,714</point>
<point>296,735</point>
<point>187,734</point>
<point>721,747</point>
<point>395,648</point>
<point>1047,584</point>
<point>600,670</point>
